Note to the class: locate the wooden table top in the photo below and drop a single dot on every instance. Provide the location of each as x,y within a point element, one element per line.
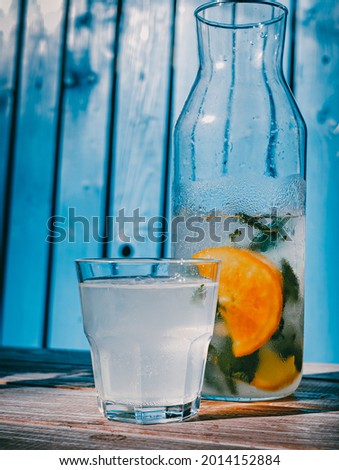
<point>48,401</point>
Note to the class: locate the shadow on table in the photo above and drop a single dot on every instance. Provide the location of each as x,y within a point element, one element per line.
<point>317,393</point>
<point>74,377</point>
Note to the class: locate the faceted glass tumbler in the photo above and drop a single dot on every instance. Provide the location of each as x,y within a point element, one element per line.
<point>149,323</point>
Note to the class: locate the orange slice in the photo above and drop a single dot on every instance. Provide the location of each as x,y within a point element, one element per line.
<point>269,263</point>
<point>273,372</point>
<point>250,296</point>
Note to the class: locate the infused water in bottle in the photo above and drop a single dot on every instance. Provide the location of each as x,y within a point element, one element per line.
<point>239,187</point>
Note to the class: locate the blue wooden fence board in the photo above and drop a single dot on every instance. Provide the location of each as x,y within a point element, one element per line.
<point>317,92</point>
<point>9,12</point>
<point>141,125</point>
<point>82,172</point>
<point>32,176</point>
<point>108,159</point>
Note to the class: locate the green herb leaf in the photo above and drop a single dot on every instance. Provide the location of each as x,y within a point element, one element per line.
<point>279,330</point>
<point>286,344</point>
<point>291,283</point>
<point>298,357</point>
<point>199,295</point>
<point>269,234</point>
<point>210,374</point>
<point>287,348</point>
<point>242,368</point>
<point>253,222</point>
<point>233,236</point>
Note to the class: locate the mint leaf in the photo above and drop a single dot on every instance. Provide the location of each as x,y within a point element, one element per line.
<point>286,348</point>
<point>210,377</point>
<point>199,295</point>
<point>234,235</point>
<point>242,368</point>
<point>291,283</point>
<point>269,234</point>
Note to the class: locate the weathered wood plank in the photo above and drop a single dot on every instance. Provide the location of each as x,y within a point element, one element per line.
<point>15,436</point>
<point>317,93</point>
<point>32,176</point>
<point>83,159</point>
<point>28,412</point>
<point>46,406</point>
<point>141,122</point>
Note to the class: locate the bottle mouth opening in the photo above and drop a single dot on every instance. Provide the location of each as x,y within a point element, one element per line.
<point>240,14</point>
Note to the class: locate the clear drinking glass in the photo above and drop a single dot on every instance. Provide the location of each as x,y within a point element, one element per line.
<point>149,323</point>
<point>239,147</point>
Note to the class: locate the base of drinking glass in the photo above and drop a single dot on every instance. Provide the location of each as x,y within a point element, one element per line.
<point>148,414</point>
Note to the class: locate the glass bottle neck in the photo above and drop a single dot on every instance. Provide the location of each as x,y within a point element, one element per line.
<point>257,48</point>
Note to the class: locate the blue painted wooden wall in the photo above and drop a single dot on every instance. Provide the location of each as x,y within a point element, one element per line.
<point>89,92</point>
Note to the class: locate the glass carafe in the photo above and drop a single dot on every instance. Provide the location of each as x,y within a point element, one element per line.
<point>239,196</point>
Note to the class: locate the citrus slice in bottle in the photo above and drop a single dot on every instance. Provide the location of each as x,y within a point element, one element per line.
<point>250,296</point>
<point>274,373</point>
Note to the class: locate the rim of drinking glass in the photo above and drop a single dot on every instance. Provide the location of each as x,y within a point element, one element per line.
<point>148,260</point>
<point>206,6</point>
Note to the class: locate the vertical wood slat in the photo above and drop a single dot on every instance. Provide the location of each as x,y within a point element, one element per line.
<point>83,159</point>
<point>9,19</point>
<point>317,92</point>
<point>26,261</point>
<point>141,124</point>
<point>11,45</point>
<point>11,38</point>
